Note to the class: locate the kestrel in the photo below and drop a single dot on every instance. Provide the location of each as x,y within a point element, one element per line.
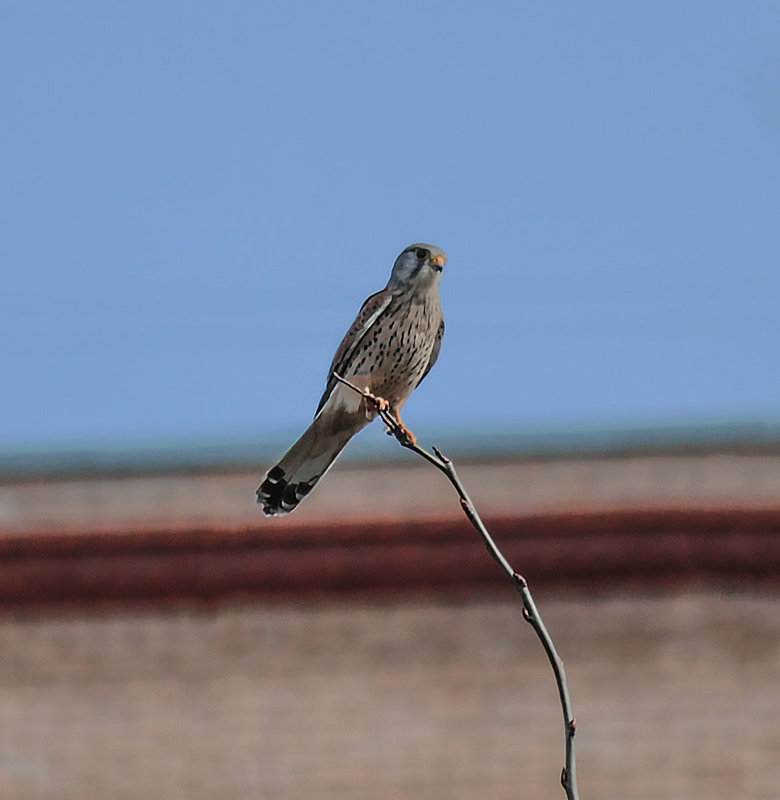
<point>390,347</point>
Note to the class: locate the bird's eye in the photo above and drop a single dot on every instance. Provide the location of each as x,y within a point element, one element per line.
<point>421,253</point>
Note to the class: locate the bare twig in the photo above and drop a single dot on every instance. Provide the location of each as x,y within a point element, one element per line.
<point>530,611</point>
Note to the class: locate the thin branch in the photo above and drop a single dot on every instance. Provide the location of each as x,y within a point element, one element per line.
<point>530,611</point>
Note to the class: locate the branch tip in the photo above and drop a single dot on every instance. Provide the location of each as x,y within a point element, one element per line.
<point>441,456</point>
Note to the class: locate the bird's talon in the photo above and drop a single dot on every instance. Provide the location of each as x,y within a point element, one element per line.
<point>380,402</point>
<point>407,434</point>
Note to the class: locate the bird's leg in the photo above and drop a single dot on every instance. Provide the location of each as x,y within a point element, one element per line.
<point>385,409</point>
<point>401,431</point>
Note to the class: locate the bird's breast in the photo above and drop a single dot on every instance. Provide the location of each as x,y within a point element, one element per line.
<point>395,353</point>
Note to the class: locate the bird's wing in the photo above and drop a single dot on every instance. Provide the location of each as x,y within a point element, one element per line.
<point>434,352</point>
<point>372,309</point>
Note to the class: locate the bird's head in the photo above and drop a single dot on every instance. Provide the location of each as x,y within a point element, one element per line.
<point>419,265</point>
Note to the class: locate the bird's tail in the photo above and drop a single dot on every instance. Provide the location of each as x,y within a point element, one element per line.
<point>286,484</point>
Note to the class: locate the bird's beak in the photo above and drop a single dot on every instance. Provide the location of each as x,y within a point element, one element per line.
<point>437,262</point>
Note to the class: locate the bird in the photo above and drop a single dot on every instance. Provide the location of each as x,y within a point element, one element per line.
<point>387,351</point>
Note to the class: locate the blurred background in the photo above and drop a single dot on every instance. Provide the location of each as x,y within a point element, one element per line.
<point>196,201</point>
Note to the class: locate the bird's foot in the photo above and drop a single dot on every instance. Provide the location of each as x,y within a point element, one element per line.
<point>404,435</point>
<point>379,402</point>
<point>400,431</point>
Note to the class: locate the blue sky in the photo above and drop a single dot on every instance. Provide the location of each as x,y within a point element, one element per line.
<point>197,197</point>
